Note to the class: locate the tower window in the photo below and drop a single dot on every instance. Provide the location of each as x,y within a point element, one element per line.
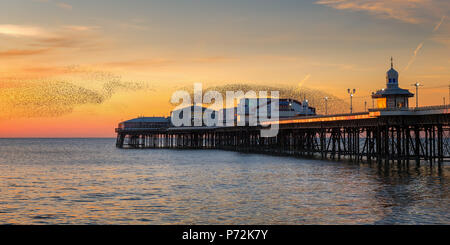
<point>393,80</point>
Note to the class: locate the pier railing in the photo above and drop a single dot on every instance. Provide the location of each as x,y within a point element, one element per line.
<point>423,108</point>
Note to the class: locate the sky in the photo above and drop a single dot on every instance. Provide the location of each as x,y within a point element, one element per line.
<point>77,68</point>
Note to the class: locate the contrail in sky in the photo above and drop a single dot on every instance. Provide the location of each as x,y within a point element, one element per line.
<point>413,58</point>
<point>416,51</point>
<point>300,84</point>
<point>439,24</point>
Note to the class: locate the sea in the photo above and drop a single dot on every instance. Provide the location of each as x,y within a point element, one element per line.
<point>90,181</point>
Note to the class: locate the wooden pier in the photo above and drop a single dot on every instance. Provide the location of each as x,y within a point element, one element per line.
<point>378,136</point>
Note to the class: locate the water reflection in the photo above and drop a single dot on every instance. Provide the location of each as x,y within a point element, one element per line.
<point>89,181</point>
<point>412,193</point>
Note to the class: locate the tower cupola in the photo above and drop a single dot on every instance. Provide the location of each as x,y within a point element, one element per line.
<point>392,77</point>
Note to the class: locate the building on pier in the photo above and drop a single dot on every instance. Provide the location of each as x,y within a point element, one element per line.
<point>196,113</point>
<point>392,97</point>
<point>145,123</point>
<point>230,113</point>
<point>286,107</point>
<point>249,107</point>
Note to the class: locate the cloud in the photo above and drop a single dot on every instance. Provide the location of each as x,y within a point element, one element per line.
<point>64,36</point>
<point>409,11</point>
<point>134,26</point>
<point>80,28</point>
<point>35,71</point>
<point>44,70</point>
<point>340,66</point>
<point>59,41</point>
<point>64,5</point>
<point>61,5</point>
<point>162,62</point>
<point>67,36</point>
<point>21,31</point>
<point>21,52</point>
<point>136,23</point>
<point>142,63</point>
<point>443,39</point>
<point>210,59</point>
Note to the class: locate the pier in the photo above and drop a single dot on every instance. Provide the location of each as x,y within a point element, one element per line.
<point>391,133</point>
<point>401,136</point>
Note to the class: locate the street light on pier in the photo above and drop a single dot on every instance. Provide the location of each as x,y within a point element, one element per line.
<point>373,105</point>
<point>351,93</point>
<point>326,105</point>
<point>417,85</point>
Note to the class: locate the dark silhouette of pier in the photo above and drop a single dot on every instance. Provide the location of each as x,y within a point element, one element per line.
<point>401,136</point>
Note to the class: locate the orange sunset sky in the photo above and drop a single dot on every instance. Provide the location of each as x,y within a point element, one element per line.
<point>77,68</point>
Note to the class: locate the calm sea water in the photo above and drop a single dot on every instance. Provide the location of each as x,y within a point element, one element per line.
<point>89,181</point>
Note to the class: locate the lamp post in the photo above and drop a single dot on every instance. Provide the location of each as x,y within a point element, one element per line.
<point>326,105</point>
<point>417,85</point>
<point>351,93</point>
<point>373,104</point>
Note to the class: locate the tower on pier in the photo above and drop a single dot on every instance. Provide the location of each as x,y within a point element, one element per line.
<point>392,97</point>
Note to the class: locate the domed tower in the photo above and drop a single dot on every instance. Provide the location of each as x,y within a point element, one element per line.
<point>392,97</point>
<point>392,77</point>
